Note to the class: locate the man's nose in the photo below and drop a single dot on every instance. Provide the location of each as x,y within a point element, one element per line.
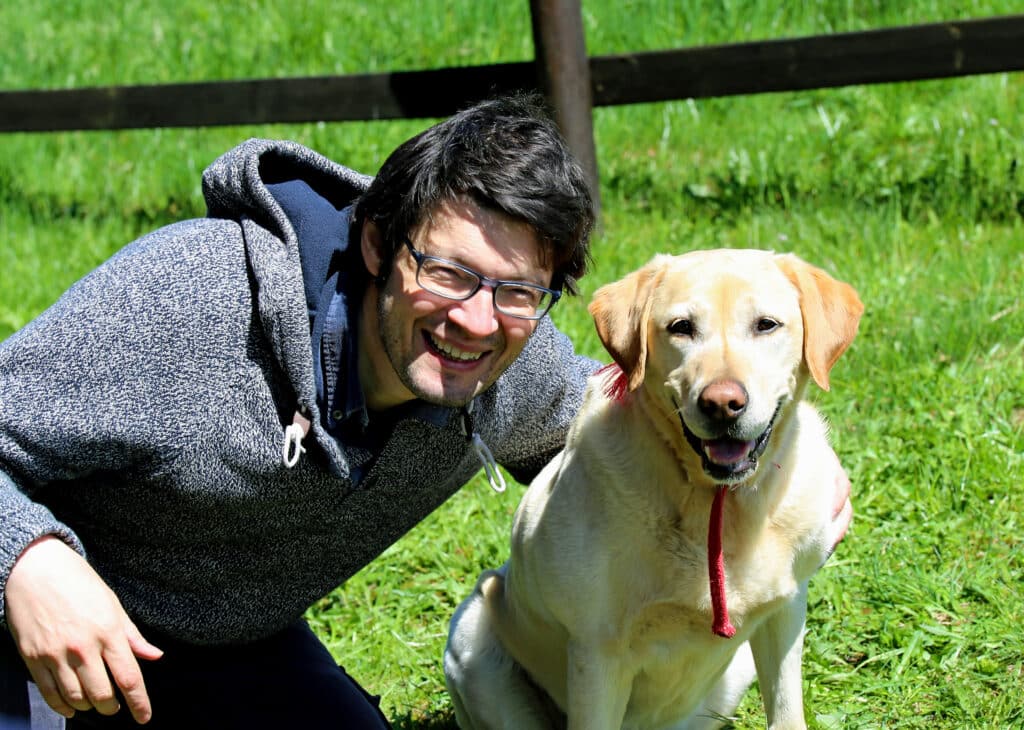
<point>476,315</point>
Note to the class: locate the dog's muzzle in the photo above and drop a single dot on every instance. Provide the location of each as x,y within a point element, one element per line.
<point>726,459</point>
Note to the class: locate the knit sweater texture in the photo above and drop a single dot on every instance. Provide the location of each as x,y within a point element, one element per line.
<point>143,418</point>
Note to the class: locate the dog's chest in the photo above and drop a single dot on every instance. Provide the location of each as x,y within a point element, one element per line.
<point>675,655</point>
<point>677,659</point>
<point>758,562</point>
<point>670,686</point>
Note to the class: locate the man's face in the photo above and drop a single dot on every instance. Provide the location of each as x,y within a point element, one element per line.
<point>415,344</point>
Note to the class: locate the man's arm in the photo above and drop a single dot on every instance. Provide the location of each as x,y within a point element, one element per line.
<point>73,383</point>
<point>68,626</point>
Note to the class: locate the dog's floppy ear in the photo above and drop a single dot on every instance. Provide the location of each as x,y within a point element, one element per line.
<point>831,313</point>
<point>620,311</point>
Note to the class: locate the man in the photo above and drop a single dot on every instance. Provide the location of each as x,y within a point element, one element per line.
<point>233,415</point>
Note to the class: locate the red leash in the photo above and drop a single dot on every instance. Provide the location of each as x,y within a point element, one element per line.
<point>616,388</point>
<point>716,568</point>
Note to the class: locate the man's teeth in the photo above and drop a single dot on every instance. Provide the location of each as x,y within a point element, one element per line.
<point>453,352</point>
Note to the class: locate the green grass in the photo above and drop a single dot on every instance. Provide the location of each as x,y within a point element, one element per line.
<point>911,192</point>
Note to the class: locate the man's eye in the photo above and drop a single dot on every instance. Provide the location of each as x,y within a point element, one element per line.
<point>444,274</point>
<point>520,294</point>
<point>681,327</point>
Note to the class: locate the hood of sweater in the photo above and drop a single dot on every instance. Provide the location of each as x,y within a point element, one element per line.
<point>235,184</point>
<point>235,187</point>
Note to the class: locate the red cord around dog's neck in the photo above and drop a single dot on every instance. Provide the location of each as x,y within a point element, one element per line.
<point>716,569</point>
<point>616,388</point>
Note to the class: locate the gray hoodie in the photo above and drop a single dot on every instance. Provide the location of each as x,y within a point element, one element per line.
<point>143,420</point>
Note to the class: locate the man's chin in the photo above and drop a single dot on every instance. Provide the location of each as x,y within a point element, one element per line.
<point>448,394</point>
<point>430,379</point>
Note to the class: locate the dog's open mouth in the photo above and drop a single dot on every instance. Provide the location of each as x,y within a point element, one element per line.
<point>727,459</point>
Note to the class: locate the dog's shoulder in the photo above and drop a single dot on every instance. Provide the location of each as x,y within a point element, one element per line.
<point>804,477</point>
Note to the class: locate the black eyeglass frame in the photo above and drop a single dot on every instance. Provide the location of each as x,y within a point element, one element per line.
<point>419,257</point>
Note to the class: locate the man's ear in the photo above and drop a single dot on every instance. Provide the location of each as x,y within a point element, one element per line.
<point>371,244</point>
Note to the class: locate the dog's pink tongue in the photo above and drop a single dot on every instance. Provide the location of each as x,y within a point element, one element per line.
<point>727,451</point>
<point>716,569</point>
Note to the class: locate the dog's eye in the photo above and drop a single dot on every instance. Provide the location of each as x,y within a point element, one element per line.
<point>767,324</point>
<point>681,327</point>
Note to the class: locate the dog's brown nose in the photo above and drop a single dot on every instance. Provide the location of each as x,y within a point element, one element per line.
<point>723,400</point>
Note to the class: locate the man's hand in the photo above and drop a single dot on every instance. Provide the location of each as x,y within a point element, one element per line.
<point>842,508</point>
<point>70,629</point>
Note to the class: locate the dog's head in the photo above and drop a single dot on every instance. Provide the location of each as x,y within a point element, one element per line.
<point>726,340</point>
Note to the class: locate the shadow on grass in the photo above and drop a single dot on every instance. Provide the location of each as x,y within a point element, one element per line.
<point>440,721</point>
<point>446,721</point>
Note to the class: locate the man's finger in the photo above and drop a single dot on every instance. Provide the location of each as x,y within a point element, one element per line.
<point>841,496</point>
<point>47,686</point>
<point>843,521</point>
<point>140,645</point>
<point>99,690</point>
<point>837,528</point>
<point>70,687</point>
<point>128,677</point>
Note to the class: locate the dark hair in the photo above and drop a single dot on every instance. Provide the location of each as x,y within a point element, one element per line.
<point>508,156</point>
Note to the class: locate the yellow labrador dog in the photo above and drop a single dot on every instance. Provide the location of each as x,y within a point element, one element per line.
<point>664,555</point>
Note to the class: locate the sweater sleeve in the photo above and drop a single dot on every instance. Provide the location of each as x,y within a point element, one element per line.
<point>534,402</point>
<point>85,388</point>
<point>35,389</point>
<point>23,522</point>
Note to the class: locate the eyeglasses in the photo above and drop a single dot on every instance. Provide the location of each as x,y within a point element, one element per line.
<point>455,281</point>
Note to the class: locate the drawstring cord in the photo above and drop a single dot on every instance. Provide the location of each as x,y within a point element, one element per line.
<point>293,435</point>
<point>494,477</point>
<point>483,453</point>
<point>297,430</point>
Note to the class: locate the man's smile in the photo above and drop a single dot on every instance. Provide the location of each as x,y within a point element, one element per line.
<point>450,352</point>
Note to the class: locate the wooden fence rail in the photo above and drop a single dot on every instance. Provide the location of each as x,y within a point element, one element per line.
<point>937,50</point>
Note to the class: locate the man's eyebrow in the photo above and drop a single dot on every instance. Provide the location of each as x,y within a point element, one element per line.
<point>537,276</point>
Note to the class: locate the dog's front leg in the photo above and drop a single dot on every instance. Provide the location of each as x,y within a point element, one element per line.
<point>777,646</point>
<point>597,688</point>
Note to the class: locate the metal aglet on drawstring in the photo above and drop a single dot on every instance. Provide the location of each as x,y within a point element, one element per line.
<point>494,477</point>
<point>483,453</point>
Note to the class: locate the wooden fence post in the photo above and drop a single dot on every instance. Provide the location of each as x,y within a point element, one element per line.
<point>563,71</point>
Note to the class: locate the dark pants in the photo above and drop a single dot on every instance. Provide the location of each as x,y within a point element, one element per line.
<point>14,710</point>
<point>288,680</point>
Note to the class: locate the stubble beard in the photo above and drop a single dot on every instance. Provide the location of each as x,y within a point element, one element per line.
<point>392,342</point>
